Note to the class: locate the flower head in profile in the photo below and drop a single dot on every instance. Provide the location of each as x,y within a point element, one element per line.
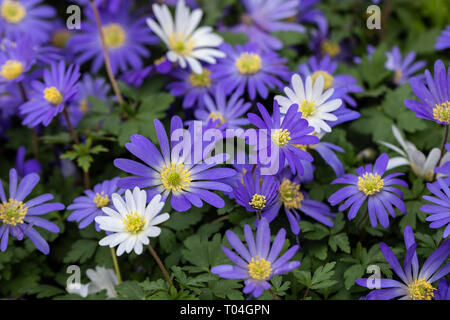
<point>260,262</point>
<point>440,208</point>
<point>48,98</point>
<point>25,167</point>
<point>186,45</point>
<point>370,184</point>
<point>19,217</point>
<point>443,41</point>
<point>416,283</point>
<point>433,94</point>
<point>132,222</point>
<point>101,279</point>
<point>315,105</point>
<point>86,208</point>
<point>404,68</point>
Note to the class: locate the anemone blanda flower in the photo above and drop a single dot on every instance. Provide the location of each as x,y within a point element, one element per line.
<point>404,68</point>
<point>132,221</point>
<point>443,291</point>
<point>126,37</point>
<point>16,58</point>
<point>20,18</point>
<point>434,95</point>
<point>416,283</point>
<point>101,279</point>
<point>18,218</point>
<point>260,262</point>
<point>48,98</point>
<point>227,110</point>
<point>186,46</point>
<point>137,76</point>
<point>284,136</point>
<point>248,67</point>
<point>443,41</point>
<point>184,178</point>
<point>25,167</point>
<point>369,184</point>
<point>310,14</point>
<point>315,105</point>
<point>89,206</point>
<point>440,207</point>
<point>445,167</point>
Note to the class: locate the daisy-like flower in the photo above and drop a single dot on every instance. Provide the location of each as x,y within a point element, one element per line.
<point>101,279</point>
<point>132,222</point>
<point>434,96</point>
<point>409,155</point>
<point>227,111</point>
<point>20,18</point>
<point>443,291</point>
<point>444,169</point>
<point>404,68</point>
<point>87,208</point>
<point>416,283</point>
<point>440,207</point>
<point>443,41</point>
<point>48,98</point>
<point>25,167</point>
<point>184,178</point>
<point>370,185</point>
<point>18,218</point>
<point>15,60</point>
<point>314,104</point>
<point>185,44</point>
<point>126,37</point>
<point>260,262</point>
<point>248,67</point>
<point>284,137</point>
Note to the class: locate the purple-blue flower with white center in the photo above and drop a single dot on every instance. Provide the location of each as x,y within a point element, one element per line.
<point>18,218</point>
<point>404,68</point>
<point>443,291</point>
<point>15,60</point>
<point>434,97</point>
<point>186,178</point>
<point>283,137</point>
<point>370,184</point>
<point>440,209</point>
<point>26,167</point>
<point>87,208</point>
<point>26,18</point>
<point>260,262</point>
<point>415,284</point>
<point>126,36</point>
<point>443,41</point>
<point>248,67</point>
<point>48,98</point>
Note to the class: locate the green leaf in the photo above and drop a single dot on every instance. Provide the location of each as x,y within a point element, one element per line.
<point>351,274</point>
<point>322,277</point>
<point>130,290</point>
<point>339,240</point>
<point>81,250</point>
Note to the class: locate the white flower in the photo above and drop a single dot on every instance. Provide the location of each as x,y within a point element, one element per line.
<point>422,166</point>
<point>133,222</point>
<point>311,101</point>
<point>101,279</point>
<point>185,45</point>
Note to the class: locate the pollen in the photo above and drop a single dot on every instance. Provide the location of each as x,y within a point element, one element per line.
<point>259,268</point>
<point>202,80</point>
<point>370,183</point>
<point>84,107</point>
<point>258,202</point>
<point>328,79</point>
<point>101,200</point>
<point>13,11</point>
<point>53,96</point>
<point>134,223</point>
<point>307,108</point>
<point>421,290</point>
<point>175,177</point>
<point>60,38</point>
<point>217,116</point>
<point>281,137</point>
<point>181,45</point>
<point>249,63</point>
<point>115,35</point>
<point>332,49</point>
<point>13,212</point>
<point>11,70</point>
<point>159,60</point>
<point>398,76</point>
<point>290,194</point>
<point>441,112</point>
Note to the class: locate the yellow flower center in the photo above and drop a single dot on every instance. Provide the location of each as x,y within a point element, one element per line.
<point>328,79</point>
<point>441,112</point>
<point>175,177</point>
<point>60,38</point>
<point>290,194</point>
<point>398,76</point>
<point>134,223</point>
<point>370,183</point>
<point>13,11</point>
<point>248,63</point>
<point>258,202</point>
<point>217,116</point>
<point>101,200</point>
<point>281,137</point>
<point>159,60</point>
<point>179,44</point>
<point>332,49</point>
<point>421,290</point>
<point>307,108</point>
<point>53,96</point>
<point>13,212</point>
<point>84,107</point>
<point>11,70</point>
<point>202,80</point>
<point>115,35</point>
<point>259,268</point>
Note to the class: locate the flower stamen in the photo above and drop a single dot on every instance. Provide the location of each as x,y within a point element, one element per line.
<point>175,177</point>
<point>328,79</point>
<point>259,268</point>
<point>202,80</point>
<point>13,11</point>
<point>258,202</point>
<point>281,137</point>
<point>13,212</point>
<point>248,63</point>
<point>441,112</point>
<point>53,96</point>
<point>134,223</point>
<point>421,290</point>
<point>307,108</point>
<point>11,70</point>
<point>101,200</point>
<point>370,183</point>
<point>290,194</point>
<point>115,35</point>
<point>179,44</point>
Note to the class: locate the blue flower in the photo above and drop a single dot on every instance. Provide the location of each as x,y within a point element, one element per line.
<point>440,209</point>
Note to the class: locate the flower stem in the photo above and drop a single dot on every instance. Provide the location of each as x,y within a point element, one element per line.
<point>33,130</point>
<point>274,295</point>
<point>360,222</point>
<point>116,265</point>
<point>160,264</point>
<point>444,142</point>
<point>306,293</point>
<point>111,77</point>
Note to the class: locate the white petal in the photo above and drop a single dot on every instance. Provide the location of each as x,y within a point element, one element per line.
<point>396,162</point>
